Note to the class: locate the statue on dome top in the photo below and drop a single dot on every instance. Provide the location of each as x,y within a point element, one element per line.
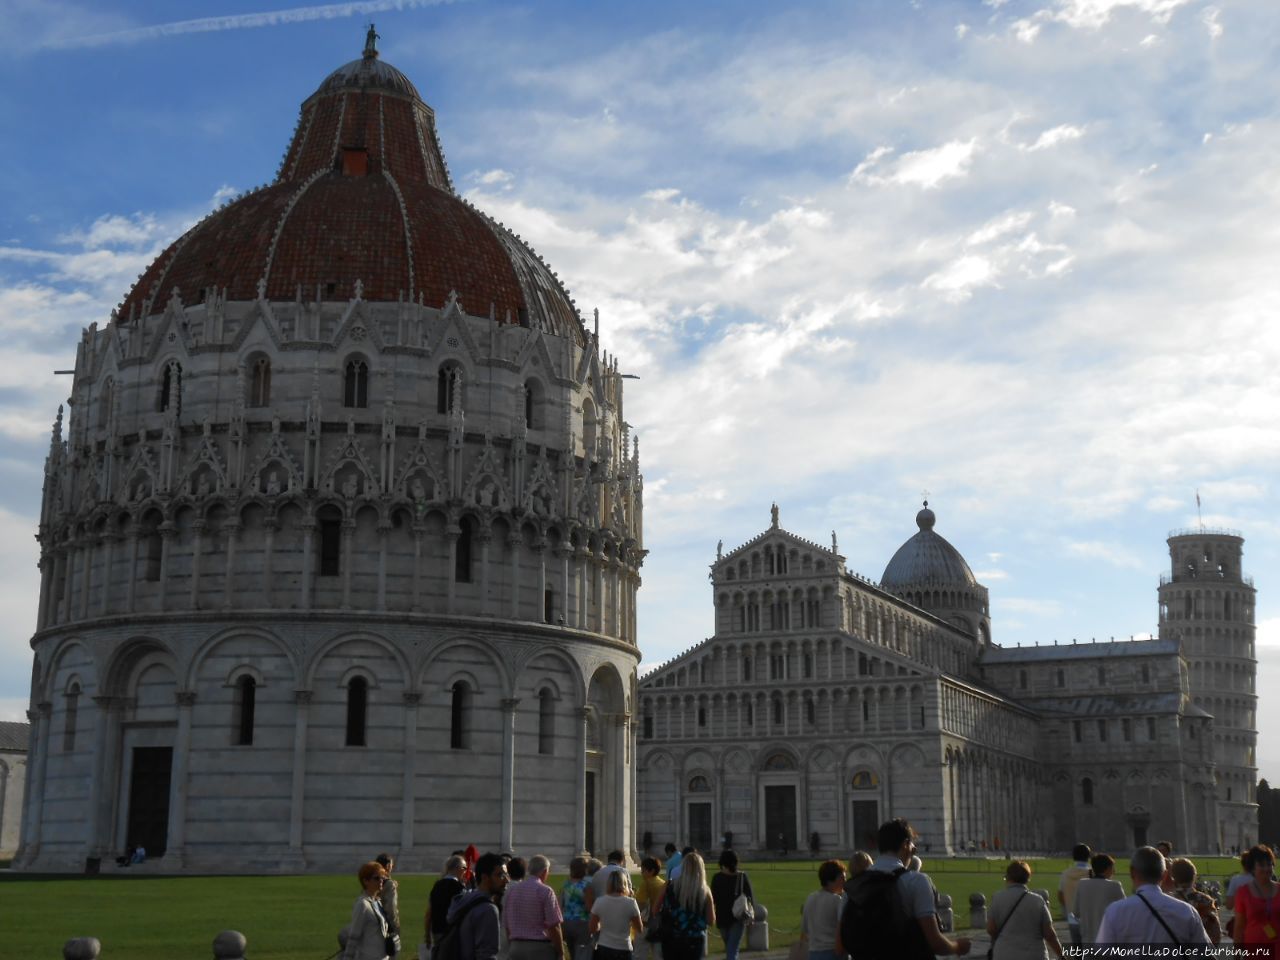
<point>371,43</point>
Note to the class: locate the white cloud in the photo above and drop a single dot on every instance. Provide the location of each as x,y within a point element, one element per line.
<point>957,281</point>
<point>496,177</point>
<point>1269,632</point>
<point>1094,14</point>
<point>1211,17</point>
<point>922,168</point>
<point>1056,135</point>
<point>1111,554</point>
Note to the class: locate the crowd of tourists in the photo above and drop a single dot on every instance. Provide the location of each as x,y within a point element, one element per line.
<point>500,907</point>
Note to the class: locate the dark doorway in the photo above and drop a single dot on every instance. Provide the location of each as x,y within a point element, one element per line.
<point>149,799</point>
<point>590,833</point>
<point>866,824</point>
<point>700,825</point>
<point>780,818</point>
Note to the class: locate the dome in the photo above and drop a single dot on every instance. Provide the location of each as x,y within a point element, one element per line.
<point>927,559</point>
<point>362,206</point>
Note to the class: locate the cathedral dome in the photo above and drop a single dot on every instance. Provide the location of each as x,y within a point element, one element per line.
<point>927,559</point>
<point>362,207</point>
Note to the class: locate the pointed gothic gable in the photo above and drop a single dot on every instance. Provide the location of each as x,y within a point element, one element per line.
<point>583,504</point>
<point>535,358</point>
<point>264,475</point>
<point>349,472</point>
<point>141,475</point>
<point>486,486</point>
<point>171,334</point>
<point>589,369</point>
<point>420,467</point>
<point>359,328</point>
<point>453,324</point>
<point>774,536</point>
<point>541,492</point>
<point>205,470</point>
<point>260,314</point>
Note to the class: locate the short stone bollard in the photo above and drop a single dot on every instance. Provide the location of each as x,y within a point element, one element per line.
<point>230,945</point>
<point>82,948</point>
<point>946,916</point>
<point>758,932</point>
<point>978,911</point>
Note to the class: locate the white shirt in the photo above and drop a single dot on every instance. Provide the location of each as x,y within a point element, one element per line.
<point>915,888</point>
<point>1130,921</point>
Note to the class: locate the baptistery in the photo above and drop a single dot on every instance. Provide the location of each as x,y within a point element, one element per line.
<point>341,538</point>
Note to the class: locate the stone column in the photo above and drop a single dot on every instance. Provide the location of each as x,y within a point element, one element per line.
<point>108,563</point>
<point>197,547</point>
<point>301,708</point>
<point>540,547</point>
<point>68,571</point>
<point>452,531</point>
<point>408,786</point>
<point>485,537</point>
<point>508,773</point>
<point>582,605</point>
<point>622,779</point>
<point>232,529</point>
<point>348,559</point>
<point>167,532</point>
<point>46,590</point>
<point>516,542</point>
<point>384,530</point>
<point>131,595</point>
<point>306,582</point>
<point>580,800</point>
<point>175,854</point>
<point>269,527</point>
<point>31,823</point>
<point>417,566</point>
<point>98,809</point>
<point>597,570</point>
<point>86,576</point>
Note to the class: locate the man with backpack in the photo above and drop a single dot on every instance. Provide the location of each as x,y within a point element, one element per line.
<point>473,916</point>
<point>889,911</point>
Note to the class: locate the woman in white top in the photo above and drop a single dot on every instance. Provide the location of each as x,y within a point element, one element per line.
<point>1019,921</point>
<point>367,935</point>
<point>616,918</point>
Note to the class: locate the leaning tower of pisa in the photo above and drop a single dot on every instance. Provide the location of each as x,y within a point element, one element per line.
<point>1207,603</point>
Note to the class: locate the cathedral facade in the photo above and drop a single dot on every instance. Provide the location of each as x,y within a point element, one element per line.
<point>825,704</point>
<point>341,540</point>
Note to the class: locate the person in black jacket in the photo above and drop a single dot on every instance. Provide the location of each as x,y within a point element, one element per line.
<point>726,887</point>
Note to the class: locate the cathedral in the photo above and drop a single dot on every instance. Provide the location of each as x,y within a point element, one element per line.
<point>825,704</point>
<point>341,539</point>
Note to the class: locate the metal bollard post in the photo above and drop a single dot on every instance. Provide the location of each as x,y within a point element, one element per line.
<point>978,911</point>
<point>82,948</point>
<point>230,945</point>
<point>946,916</point>
<point>757,935</point>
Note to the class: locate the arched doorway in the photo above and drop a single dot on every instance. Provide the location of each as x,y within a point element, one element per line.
<point>605,786</point>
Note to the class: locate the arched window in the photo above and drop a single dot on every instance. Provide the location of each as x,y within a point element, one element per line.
<point>448,387</point>
<point>355,384</point>
<point>547,722</point>
<point>751,714</point>
<point>260,382</point>
<point>106,399</point>
<point>170,394</point>
<point>1022,679</point>
<point>462,555</point>
<point>329,520</point>
<point>548,605</point>
<point>245,702</point>
<point>70,715</point>
<point>1061,678</point>
<point>460,717</point>
<point>699,785</point>
<point>1102,676</point>
<point>533,404</point>
<point>1086,792</point>
<point>810,713</point>
<point>746,668</point>
<point>865,780</point>
<point>777,710</point>
<point>357,711</point>
<point>702,716</point>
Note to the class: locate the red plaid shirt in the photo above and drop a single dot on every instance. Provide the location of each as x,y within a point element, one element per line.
<point>528,909</point>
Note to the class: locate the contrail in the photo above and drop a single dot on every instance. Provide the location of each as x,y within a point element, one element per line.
<point>241,21</point>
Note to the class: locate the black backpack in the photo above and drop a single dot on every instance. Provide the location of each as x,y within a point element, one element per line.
<point>449,946</point>
<point>875,923</point>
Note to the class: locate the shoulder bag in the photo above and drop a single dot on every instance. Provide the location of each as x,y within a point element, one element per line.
<point>743,908</point>
<point>996,936</point>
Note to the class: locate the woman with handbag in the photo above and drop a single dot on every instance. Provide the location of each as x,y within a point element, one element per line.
<point>687,911</point>
<point>820,918</point>
<point>729,887</point>
<point>1257,906</point>
<point>367,935</point>
<point>649,894</point>
<point>1019,921</point>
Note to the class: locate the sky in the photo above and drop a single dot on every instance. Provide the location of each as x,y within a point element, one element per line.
<point>1020,254</point>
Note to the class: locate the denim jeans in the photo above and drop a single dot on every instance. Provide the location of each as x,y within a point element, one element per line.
<point>732,937</point>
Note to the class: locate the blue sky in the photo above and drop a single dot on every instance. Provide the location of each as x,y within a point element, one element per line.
<point>1020,254</point>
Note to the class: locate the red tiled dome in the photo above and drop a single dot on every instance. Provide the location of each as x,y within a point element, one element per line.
<point>363,194</point>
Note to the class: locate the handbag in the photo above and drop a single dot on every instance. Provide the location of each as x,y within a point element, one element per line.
<point>996,936</point>
<point>743,908</point>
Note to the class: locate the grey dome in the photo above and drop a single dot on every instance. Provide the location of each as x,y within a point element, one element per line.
<point>927,559</point>
<point>367,72</point>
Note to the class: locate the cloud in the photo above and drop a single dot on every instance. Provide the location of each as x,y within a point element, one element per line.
<point>1211,17</point>
<point>1056,135</point>
<point>1029,606</point>
<point>1269,632</point>
<point>1109,553</point>
<point>1094,14</point>
<point>237,21</point>
<point>929,168</point>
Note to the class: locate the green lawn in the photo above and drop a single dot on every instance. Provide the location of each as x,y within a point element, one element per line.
<point>298,918</point>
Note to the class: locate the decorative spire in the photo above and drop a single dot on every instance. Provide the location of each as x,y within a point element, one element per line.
<point>371,44</point>
<point>773,512</point>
